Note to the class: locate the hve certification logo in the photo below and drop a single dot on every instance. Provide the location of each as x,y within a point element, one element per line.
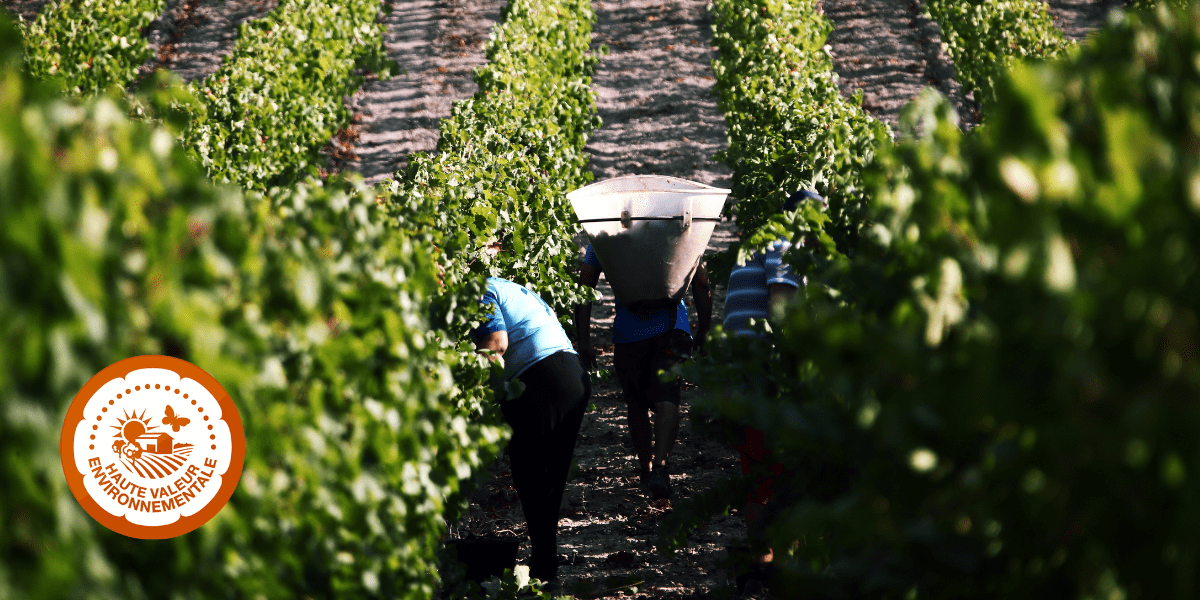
<point>152,447</point>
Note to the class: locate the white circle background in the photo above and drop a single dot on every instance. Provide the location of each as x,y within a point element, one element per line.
<point>152,403</point>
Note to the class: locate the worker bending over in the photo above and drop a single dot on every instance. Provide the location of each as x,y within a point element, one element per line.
<point>545,418</point>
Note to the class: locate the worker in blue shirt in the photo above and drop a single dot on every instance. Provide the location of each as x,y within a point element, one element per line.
<point>524,331</point>
<point>645,343</point>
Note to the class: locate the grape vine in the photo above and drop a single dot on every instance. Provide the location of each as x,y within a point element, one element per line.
<point>984,37</point>
<point>90,45</point>
<point>277,98</point>
<point>968,400</point>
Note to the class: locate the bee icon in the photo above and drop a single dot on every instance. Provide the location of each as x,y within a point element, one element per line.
<point>173,420</point>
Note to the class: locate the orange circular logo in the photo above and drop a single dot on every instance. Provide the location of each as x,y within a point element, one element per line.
<point>152,447</point>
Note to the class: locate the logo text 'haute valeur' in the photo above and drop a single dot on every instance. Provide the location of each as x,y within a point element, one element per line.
<point>152,447</point>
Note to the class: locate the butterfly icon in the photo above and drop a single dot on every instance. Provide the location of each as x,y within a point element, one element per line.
<point>174,421</point>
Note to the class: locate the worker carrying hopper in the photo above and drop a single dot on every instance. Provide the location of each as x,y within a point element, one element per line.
<point>648,235</point>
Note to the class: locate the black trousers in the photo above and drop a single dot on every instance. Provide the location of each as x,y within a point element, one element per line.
<point>545,421</point>
<point>637,365</point>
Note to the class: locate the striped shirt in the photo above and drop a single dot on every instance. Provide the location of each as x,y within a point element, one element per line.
<point>746,296</point>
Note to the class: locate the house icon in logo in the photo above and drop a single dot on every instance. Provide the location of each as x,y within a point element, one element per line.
<point>157,443</point>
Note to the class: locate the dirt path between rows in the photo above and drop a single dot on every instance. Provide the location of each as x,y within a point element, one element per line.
<point>655,96</point>
<point>890,51</point>
<point>27,10</point>
<point>1079,18</point>
<point>660,117</point>
<point>437,44</point>
<point>192,37</point>
<point>654,92</point>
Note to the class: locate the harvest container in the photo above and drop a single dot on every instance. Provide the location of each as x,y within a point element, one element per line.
<point>649,232</point>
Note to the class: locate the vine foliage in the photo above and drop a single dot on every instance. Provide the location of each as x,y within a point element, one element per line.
<point>994,396</point>
<point>984,37</point>
<point>90,45</point>
<point>304,302</point>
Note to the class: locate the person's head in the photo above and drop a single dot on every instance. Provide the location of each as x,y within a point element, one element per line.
<point>793,201</point>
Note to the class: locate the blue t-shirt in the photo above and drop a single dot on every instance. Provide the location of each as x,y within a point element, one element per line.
<point>747,297</point>
<point>629,326</point>
<point>533,330</point>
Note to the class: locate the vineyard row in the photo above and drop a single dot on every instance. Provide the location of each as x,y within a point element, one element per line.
<point>309,303</point>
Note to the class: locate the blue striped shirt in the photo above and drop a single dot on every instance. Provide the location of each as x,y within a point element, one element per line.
<point>746,296</point>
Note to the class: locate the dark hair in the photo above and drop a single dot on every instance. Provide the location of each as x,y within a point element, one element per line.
<point>795,199</point>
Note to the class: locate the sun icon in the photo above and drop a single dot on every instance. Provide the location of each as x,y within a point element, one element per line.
<point>129,429</point>
<point>132,426</point>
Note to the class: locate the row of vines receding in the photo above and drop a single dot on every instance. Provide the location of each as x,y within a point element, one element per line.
<point>990,390</point>
<point>366,415</point>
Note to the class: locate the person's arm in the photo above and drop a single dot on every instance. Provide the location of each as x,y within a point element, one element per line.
<point>492,333</point>
<point>496,341</point>
<point>589,275</point>
<point>702,297</point>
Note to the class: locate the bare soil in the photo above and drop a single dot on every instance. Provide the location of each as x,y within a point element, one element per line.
<point>890,51</point>
<point>654,92</point>
<point>1079,18</point>
<point>437,44</point>
<point>27,10</point>
<point>192,37</point>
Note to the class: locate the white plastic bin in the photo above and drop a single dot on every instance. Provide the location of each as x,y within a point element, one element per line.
<point>649,232</point>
